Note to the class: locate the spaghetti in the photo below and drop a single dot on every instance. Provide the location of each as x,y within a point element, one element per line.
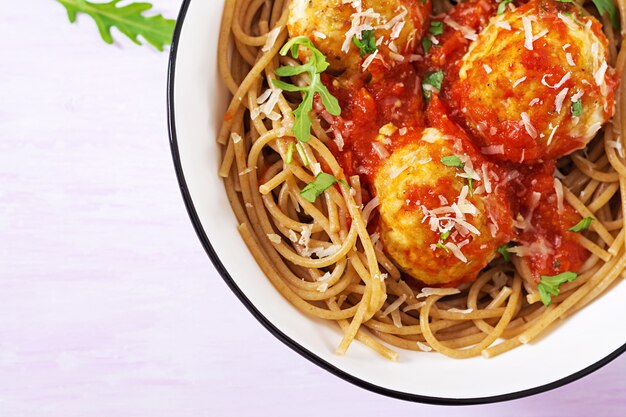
<point>323,257</point>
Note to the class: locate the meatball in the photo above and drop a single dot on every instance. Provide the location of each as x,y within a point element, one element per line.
<point>536,84</point>
<point>441,216</point>
<point>331,24</point>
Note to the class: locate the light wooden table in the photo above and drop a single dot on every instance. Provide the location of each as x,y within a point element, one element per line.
<point>108,304</point>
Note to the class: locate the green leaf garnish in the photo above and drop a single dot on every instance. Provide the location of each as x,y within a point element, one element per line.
<point>581,225</point>
<point>502,6</point>
<point>607,6</point>
<point>315,65</point>
<point>550,286</point>
<point>436,28</point>
<point>289,157</point>
<point>452,161</point>
<point>303,157</point>
<point>323,181</point>
<point>426,44</point>
<point>556,264</point>
<point>442,246</point>
<point>128,19</point>
<point>367,43</point>
<point>434,79</point>
<point>577,108</point>
<point>445,235</point>
<point>504,251</point>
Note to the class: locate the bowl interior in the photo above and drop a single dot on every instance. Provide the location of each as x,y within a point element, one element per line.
<point>197,102</point>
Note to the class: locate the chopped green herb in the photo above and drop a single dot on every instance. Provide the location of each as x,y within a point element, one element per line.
<point>502,6</point>
<point>445,235</point>
<point>607,6</point>
<point>504,251</point>
<point>581,225</point>
<point>432,81</point>
<point>289,157</point>
<point>302,153</point>
<point>577,108</point>
<point>556,264</point>
<point>315,65</point>
<point>452,161</point>
<point>323,181</point>
<point>426,44</point>
<point>367,43</point>
<point>550,286</point>
<point>436,28</point>
<point>442,246</point>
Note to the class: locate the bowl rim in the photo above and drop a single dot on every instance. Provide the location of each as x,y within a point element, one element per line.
<point>289,342</point>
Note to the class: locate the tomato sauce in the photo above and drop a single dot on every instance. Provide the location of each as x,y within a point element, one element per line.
<point>392,93</point>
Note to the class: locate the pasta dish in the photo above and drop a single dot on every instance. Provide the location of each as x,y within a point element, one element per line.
<point>430,175</point>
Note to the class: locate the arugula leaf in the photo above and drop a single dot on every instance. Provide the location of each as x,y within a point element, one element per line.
<point>367,43</point>
<point>607,6</point>
<point>502,6</point>
<point>577,108</point>
<point>436,28</point>
<point>315,65</point>
<point>323,181</point>
<point>549,286</point>
<point>426,44</point>
<point>128,19</point>
<point>434,79</point>
<point>581,225</point>
<point>504,251</point>
<point>452,161</point>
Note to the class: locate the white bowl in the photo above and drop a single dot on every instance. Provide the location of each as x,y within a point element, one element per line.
<point>196,102</point>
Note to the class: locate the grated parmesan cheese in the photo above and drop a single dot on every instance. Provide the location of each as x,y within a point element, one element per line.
<point>570,59</point>
<point>427,292</point>
<point>599,75</point>
<point>530,129</point>
<point>272,36</point>
<point>274,238</point>
<point>559,99</point>
<point>519,81</point>
<point>423,347</point>
<point>487,68</point>
<point>557,85</point>
<point>493,150</point>
<point>558,189</point>
<point>466,31</point>
<point>528,33</point>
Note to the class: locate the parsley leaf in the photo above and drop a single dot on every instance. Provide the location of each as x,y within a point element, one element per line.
<point>581,225</point>
<point>504,251</point>
<point>452,161</point>
<point>367,43</point>
<point>502,6</point>
<point>436,28</point>
<point>607,6</point>
<point>426,44</point>
<point>442,246</point>
<point>577,108</point>
<point>315,65</point>
<point>432,81</point>
<point>549,286</point>
<point>323,181</point>
<point>128,19</point>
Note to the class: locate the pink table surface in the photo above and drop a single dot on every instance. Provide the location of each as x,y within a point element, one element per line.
<point>108,304</point>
